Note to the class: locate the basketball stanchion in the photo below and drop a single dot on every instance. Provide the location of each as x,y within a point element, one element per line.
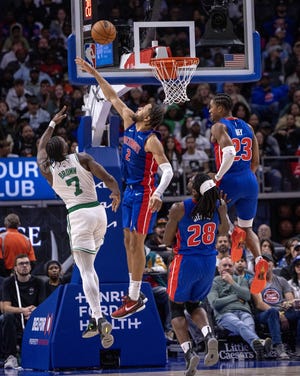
<point>174,73</point>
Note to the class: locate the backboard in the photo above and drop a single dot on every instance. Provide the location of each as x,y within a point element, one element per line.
<point>220,32</point>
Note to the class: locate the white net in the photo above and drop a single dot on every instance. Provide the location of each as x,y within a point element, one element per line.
<point>174,74</point>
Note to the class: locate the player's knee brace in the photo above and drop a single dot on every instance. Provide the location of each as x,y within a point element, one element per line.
<point>190,307</point>
<point>177,310</point>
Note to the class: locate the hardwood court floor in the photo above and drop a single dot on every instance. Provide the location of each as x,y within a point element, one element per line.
<point>175,367</point>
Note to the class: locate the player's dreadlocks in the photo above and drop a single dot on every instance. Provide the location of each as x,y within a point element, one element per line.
<point>206,202</point>
<point>223,100</point>
<point>55,150</point>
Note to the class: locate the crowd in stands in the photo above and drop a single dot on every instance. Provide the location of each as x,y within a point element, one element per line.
<point>34,86</point>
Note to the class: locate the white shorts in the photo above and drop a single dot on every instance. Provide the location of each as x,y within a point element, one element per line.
<point>86,228</point>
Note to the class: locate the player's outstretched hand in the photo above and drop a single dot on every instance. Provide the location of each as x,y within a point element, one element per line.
<point>84,65</point>
<point>155,203</point>
<point>116,200</point>
<point>57,118</point>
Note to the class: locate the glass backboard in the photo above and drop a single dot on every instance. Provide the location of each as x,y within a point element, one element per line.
<point>224,40</point>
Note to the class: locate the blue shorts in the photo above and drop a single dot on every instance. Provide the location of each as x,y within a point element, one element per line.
<point>136,214</point>
<point>242,191</point>
<point>191,277</point>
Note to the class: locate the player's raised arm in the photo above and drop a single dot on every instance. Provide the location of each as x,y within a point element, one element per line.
<point>108,91</point>
<point>42,156</point>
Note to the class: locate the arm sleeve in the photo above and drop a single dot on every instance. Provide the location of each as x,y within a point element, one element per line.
<point>167,174</point>
<point>227,160</point>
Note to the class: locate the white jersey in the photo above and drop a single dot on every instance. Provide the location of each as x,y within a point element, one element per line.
<point>72,182</point>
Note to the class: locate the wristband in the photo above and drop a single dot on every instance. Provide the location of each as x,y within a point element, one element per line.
<point>52,124</point>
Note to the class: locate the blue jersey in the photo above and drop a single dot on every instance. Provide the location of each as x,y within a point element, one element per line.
<point>196,236</point>
<point>138,166</point>
<point>241,135</point>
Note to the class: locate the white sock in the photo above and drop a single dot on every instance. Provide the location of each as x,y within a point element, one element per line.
<point>130,277</point>
<point>258,258</point>
<point>134,290</point>
<point>186,346</point>
<point>205,330</point>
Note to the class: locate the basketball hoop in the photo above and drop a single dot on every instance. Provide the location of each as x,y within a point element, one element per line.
<point>174,73</point>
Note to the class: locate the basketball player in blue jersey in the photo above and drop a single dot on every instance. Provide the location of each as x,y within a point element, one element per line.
<point>72,178</point>
<point>237,158</point>
<point>195,222</point>
<point>142,154</point>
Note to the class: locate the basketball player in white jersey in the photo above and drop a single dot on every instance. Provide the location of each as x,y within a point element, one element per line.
<point>71,176</point>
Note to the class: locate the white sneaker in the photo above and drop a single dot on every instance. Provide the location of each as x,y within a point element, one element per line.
<point>281,354</point>
<point>11,362</point>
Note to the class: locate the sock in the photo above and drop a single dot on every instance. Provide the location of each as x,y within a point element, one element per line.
<point>205,330</point>
<point>186,346</point>
<point>134,290</point>
<point>258,258</point>
<point>97,315</point>
<point>130,277</point>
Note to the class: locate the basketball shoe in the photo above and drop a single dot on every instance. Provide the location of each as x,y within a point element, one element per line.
<point>260,277</point>
<point>192,360</point>
<point>211,356</point>
<point>238,236</point>
<point>103,328</point>
<point>128,307</point>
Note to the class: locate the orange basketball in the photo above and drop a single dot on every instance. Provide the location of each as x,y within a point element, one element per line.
<point>103,32</point>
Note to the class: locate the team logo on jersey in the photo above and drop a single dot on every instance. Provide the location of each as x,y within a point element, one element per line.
<point>239,132</point>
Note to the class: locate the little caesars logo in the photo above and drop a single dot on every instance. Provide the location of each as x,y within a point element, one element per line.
<point>236,351</point>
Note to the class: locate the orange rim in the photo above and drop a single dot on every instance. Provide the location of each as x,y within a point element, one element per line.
<point>167,68</point>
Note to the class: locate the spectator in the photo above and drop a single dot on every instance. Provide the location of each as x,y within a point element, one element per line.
<point>240,269</point>
<point>199,103</point>
<point>155,273</point>
<point>292,247</point>
<point>194,160</point>
<point>174,119</point>
<point>55,276</point>
<point>264,232</point>
<point>267,99</point>
<point>13,243</point>
<point>175,159</point>
<point>287,134</point>
<point>267,246</point>
<point>25,145</point>
<point>10,56</point>
<point>16,35</point>
<point>202,143</point>
<point>22,293</point>
<point>223,246</point>
<point>164,131</point>
<point>230,299</point>
<point>295,277</point>
<point>293,60</point>
<point>241,111</point>
<point>35,114</point>
<point>278,294</point>
<point>254,121</point>
<point>5,149</point>
<point>294,78</point>
<point>22,70</point>
<point>16,97</point>
<point>269,171</point>
<point>155,241</point>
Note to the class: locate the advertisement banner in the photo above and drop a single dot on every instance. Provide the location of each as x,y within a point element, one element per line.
<point>20,179</point>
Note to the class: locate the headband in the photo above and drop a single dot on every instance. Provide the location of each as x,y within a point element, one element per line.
<point>206,186</point>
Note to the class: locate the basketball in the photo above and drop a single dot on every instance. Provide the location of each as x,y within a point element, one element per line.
<point>103,32</point>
